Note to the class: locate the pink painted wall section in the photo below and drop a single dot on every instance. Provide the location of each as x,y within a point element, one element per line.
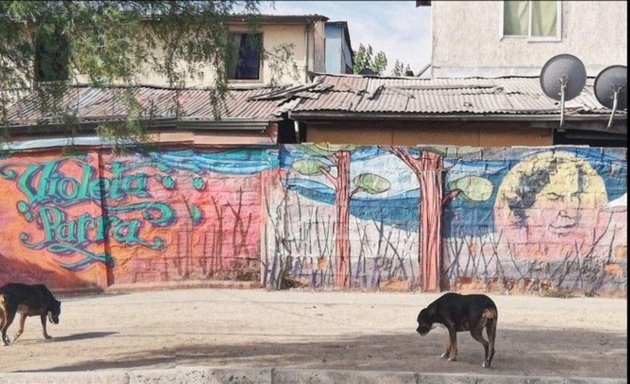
<point>52,230</point>
<point>96,219</point>
<point>190,225</point>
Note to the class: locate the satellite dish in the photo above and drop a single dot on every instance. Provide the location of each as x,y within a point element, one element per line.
<point>563,78</point>
<point>611,89</point>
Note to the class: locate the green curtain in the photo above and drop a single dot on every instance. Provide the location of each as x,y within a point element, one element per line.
<point>544,18</point>
<point>515,18</point>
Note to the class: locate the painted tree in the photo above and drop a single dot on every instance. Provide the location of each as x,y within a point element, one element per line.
<point>429,169</point>
<point>339,158</point>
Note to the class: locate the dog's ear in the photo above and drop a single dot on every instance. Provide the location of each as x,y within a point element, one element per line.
<point>427,313</point>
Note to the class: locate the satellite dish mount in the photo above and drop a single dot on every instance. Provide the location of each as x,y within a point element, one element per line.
<point>611,89</point>
<point>563,78</point>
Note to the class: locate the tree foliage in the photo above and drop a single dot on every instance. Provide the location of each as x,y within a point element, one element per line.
<point>365,58</point>
<point>400,69</point>
<point>107,43</point>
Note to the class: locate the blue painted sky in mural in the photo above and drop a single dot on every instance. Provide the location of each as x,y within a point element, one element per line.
<point>399,206</point>
<point>241,161</point>
<point>611,166</point>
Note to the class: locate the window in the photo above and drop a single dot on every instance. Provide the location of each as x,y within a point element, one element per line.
<point>247,57</point>
<point>52,56</point>
<point>537,20</point>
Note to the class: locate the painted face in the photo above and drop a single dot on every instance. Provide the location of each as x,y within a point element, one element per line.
<point>547,206</point>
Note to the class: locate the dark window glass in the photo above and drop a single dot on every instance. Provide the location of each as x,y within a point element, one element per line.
<point>247,50</point>
<point>52,55</point>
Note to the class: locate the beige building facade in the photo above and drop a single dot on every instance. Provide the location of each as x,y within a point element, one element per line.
<point>291,46</point>
<point>516,38</point>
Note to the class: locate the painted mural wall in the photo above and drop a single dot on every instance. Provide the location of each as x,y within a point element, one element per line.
<point>549,220</point>
<point>322,216</point>
<point>94,219</point>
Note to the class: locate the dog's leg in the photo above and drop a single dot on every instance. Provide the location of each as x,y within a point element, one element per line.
<point>21,330</point>
<point>446,354</point>
<point>10,315</point>
<point>476,333</point>
<point>452,333</point>
<point>3,311</point>
<point>491,329</point>
<point>46,335</point>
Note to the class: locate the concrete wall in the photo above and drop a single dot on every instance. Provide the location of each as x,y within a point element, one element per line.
<point>333,49</point>
<point>338,52</point>
<point>550,219</point>
<point>306,42</point>
<point>317,47</point>
<point>307,54</point>
<point>305,39</point>
<point>468,38</point>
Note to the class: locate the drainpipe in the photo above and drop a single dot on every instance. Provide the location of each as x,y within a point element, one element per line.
<point>306,55</point>
<point>296,126</point>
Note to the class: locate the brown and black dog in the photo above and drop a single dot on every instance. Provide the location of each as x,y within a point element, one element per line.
<point>462,313</point>
<point>28,300</point>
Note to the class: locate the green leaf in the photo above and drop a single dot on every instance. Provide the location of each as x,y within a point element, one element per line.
<point>309,167</point>
<point>372,183</point>
<point>196,215</point>
<point>167,181</point>
<point>198,183</point>
<point>474,188</point>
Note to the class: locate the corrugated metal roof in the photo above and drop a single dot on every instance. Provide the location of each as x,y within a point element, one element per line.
<point>107,104</point>
<point>510,95</point>
<point>327,93</point>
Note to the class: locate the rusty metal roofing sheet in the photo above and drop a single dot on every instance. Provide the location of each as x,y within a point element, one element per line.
<point>345,83</point>
<point>510,95</point>
<point>334,93</point>
<point>97,104</point>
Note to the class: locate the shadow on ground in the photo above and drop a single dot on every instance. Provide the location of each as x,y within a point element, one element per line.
<point>83,336</point>
<point>567,353</point>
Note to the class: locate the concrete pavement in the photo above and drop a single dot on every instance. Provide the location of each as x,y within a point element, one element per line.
<point>205,375</point>
<point>258,336</point>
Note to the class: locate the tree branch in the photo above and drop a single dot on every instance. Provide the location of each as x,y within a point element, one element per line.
<point>333,180</point>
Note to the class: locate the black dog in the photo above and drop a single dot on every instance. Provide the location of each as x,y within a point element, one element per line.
<point>462,313</point>
<point>28,300</point>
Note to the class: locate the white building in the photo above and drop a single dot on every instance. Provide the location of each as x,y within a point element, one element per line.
<point>516,38</point>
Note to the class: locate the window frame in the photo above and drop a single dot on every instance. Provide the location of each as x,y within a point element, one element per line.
<point>261,68</point>
<point>529,37</point>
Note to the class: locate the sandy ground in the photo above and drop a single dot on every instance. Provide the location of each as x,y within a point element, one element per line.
<point>536,336</point>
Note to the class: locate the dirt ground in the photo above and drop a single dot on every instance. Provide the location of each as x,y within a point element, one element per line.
<point>537,336</point>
